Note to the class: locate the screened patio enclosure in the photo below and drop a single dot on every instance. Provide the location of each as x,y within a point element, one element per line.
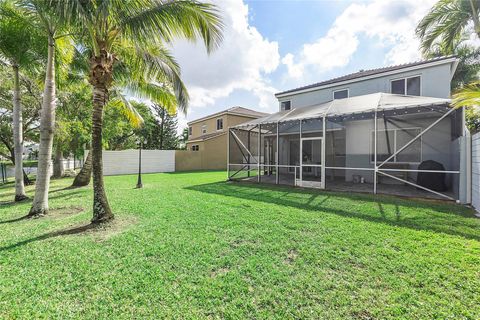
<point>378,143</point>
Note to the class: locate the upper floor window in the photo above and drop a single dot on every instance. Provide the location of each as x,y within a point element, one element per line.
<point>285,105</point>
<point>204,129</point>
<point>189,131</point>
<point>220,124</point>
<point>406,86</point>
<point>340,94</point>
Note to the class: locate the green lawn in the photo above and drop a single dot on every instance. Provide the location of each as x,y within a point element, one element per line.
<point>192,246</point>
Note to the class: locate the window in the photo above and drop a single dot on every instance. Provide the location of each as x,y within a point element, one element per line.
<point>391,140</point>
<point>340,94</point>
<point>413,86</point>
<point>220,124</point>
<point>408,86</point>
<point>398,86</point>
<point>194,147</point>
<point>285,105</point>
<point>189,131</point>
<point>204,129</point>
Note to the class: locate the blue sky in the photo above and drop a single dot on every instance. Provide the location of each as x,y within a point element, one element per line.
<point>274,45</point>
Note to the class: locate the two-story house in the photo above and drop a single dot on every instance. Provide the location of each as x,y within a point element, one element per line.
<point>208,135</point>
<point>388,130</point>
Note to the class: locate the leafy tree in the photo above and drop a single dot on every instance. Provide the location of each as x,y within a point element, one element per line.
<point>19,47</point>
<point>183,139</point>
<point>160,129</point>
<point>73,121</point>
<point>30,104</point>
<point>126,41</point>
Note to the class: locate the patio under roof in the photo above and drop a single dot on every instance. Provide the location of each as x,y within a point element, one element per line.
<point>355,105</point>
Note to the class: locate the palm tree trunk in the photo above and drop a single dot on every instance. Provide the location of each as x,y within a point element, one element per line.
<point>101,208</point>
<point>85,174</point>
<point>47,122</point>
<point>18,138</point>
<point>58,170</point>
<point>476,21</point>
<point>101,69</point>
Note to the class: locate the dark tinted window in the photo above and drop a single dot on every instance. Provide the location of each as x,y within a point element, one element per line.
<point>219,124</point>
<point>340,94</point>
<point>413,86</point>
<point>398,86</point>
<point>286,105</point>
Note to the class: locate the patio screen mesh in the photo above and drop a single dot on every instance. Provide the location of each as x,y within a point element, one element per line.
<point>381,143</point>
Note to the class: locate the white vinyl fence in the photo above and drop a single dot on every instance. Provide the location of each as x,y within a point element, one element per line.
<point>126,161</point>
<point>476,171</point>
<point>8,172</point>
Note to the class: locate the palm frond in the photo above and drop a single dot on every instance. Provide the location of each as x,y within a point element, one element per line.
<point>152,64</point>
<point>156,93</point>
<point>469,96</point>
<point>443,23</point>
<point>165,20</point>
<point>122,103</point>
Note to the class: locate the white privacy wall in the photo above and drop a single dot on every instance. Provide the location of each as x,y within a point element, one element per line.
<point>126,161</point>
<point>476,171</point>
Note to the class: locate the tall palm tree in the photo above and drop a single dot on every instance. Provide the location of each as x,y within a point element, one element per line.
<point>19,46</point>
<point>129,37</point>
<point>448,20</point>
<point>51,22</point>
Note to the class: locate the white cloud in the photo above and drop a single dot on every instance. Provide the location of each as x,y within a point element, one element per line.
<point>242,62</point>
<point>390,23</point>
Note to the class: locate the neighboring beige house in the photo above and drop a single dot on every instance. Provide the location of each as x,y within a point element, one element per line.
<point>207,139</point>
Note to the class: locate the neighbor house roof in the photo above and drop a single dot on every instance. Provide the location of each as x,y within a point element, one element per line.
<point>373,73</point>
<point>207,136</point>
<point>354,105</point>
<point>239,111</point>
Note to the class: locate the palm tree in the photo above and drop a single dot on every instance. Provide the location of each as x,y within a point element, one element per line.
<point>51,21</point>
<point>126,40</point>
<point>447,21</point>
<point>84,176</point>
<point>19,46</point>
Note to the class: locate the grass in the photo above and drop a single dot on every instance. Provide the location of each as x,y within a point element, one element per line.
<point>189,245</point>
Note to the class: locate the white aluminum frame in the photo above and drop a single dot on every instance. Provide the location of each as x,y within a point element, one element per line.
<point>377,168</point>
<point>321,166</point>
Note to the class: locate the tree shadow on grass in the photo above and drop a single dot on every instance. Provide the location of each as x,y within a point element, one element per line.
<point>15,219</point>
<point>53,234</point>
<point>418,215</point>
<point>11,203</point>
